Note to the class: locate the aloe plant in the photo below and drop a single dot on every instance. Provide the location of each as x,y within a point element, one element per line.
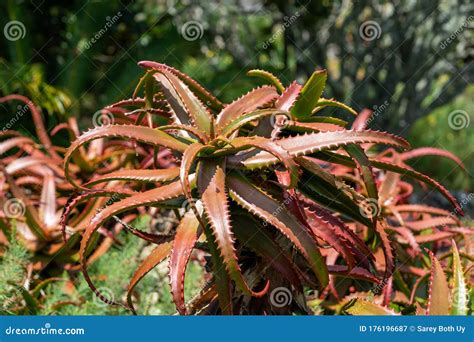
<point>252,187</point>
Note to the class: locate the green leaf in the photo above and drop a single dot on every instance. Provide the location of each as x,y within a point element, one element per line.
<point>268,76</point>
<point>459,294</point>
<point>310,95</point>
<point>361,307</point>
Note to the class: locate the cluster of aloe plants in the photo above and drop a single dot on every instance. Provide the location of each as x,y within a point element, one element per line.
<point>272,193</point>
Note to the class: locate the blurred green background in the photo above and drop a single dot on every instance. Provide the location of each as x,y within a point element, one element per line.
<point>409,61</point>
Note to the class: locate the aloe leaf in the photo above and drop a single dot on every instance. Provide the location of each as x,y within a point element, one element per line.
<point>257,202</point>
<point>211,185</point>
<point>404,171</point>
<point>245,104</point>
<point>18,142</point>
<point>251,234</point>
<point>199,114</point>
<point>139,133</point>
<point>142,176</point>
<point>221,277</point>
<point>438,293</point>
<point>365,169</point>
<point>249,117</point>
<point>150,262</point>
<point>204,95</point>
<point>361,307</point>
<point>310,143</point>
<point>288,98</point>
<point>267,76</point>
<point>274,148</point>
<point>151,197</point>
<point>310,95</point>
<point>362,120</point>
<point>459,293</point>
<point>323,103</point>
<point>186,236</point>
<point>426,151</point>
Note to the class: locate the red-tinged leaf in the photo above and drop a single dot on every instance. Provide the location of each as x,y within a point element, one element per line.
<point>38,165</point>
<point>362,307</point>
<point>274,149</point>
<point>322,187</point>
<point>310,95</point>
<point>433,237</point>
<point>421,177</point>
<point>245,104</point>
<point>430,223</point>
<point>303,127</point>
<point>189,157</point>
<point>247,118</point>
<point>438,293</point>
<point>409,237</point>
<point>48,206</point>
<point>150,262</point>
<point>189,129</point>
<point>18,142</point>
<point>75,199</point>
<point>257,202</point>
<point>356,272</point>
<point>389,189</point>
<point>211,184</point>
<point>362,120</point>
<point>186,236</point>
<point>309,143</point>
<point>287,99</point>
<point>269,77</point>
<point>204,95</point>
<point>388,251</point>
<point>426,151</point>
<point>198,113</point>
<point>349,244</point>
<point>459,293</point>
<point>33,219</point>
<point>420,208</point>
<point>145,176</point>
<point>139,133</point>
<point>404,171</point>
<point>38,122</point>
<point>147,198</point>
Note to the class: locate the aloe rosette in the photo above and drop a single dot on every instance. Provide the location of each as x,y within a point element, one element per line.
<point>254,193</point>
